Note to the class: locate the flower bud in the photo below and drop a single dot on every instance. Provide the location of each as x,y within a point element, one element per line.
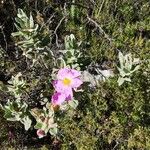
<point>40,133</point>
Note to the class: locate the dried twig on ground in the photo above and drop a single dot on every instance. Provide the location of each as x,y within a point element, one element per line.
<point>55,31</point>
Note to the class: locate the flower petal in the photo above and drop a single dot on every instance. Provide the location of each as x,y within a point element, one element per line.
<point>76,83</point>
<point>63,73</point>
<point>58,98</point>
<point>75,73</point>
<point>69,94</point>
<point>67,73</point>
<point>68,98</point>
<point>59,86</point>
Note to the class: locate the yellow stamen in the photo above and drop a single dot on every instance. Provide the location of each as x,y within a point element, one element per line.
<point>66,81</point>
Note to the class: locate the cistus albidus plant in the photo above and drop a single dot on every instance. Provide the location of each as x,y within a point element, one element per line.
<point>44,121</point>
<point>18,111</point>
<point>127,67</point>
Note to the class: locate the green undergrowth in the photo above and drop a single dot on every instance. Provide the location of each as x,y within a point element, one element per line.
<point>112,117</point>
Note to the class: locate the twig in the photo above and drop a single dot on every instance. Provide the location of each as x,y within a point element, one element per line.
<point>36,5</point>
<point>6,46</point>
<point>100,8</point>
<point>47,22</point>
<point>55,31</point>
<point>100,28</point>
<point>117,143</point>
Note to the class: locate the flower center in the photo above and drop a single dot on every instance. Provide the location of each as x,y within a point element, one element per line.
<point>66,81</point>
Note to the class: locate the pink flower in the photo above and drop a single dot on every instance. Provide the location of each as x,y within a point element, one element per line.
<point>58,98</point>
<point>68,79</point>
<point>40,133</point>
